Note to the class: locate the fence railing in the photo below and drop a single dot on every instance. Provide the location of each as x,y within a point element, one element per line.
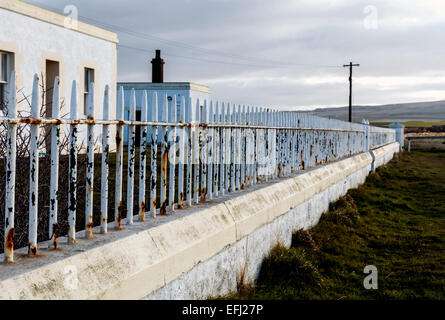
<point>223,148</point>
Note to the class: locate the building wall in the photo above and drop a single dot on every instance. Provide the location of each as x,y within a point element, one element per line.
<point>33,41</point>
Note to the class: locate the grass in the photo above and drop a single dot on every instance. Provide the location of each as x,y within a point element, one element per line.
<point>394,221</point>
<point>424,124</point>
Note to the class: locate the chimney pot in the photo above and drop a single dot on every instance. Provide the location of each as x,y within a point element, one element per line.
<point>157,74</point>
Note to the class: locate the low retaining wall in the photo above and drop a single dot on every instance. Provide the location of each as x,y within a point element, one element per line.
<point>196,252</point>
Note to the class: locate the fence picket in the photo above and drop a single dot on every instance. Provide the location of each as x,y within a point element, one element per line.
<point>105,163</point>
<point>54,180</point>
<point>143,156</point>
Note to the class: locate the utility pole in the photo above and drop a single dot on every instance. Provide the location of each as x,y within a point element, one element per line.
<point>350,65</point>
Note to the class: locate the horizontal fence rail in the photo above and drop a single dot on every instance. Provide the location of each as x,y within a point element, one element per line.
<point>198,151</point>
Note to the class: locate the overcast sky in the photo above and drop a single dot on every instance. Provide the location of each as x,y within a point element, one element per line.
<point>281,53</point>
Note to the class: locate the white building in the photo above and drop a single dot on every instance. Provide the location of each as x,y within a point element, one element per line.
<point>34,40</point>
<point>171,89</point>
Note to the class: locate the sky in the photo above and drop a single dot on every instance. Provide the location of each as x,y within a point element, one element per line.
<point>286,54</point>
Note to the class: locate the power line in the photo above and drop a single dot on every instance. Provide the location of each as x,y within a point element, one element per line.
<point>201,59</point>
<point>191,47</point>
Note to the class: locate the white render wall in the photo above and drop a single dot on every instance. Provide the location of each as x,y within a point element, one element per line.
<point>34,41</point>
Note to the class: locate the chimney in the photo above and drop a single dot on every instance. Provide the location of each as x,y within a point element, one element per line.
<point>157,74</point>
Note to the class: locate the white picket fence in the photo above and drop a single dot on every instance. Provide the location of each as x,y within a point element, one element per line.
<point>225,148</point>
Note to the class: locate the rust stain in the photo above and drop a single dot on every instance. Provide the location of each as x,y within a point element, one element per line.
<point>154,206</point>
<point>32,249</point>
<point>30,121</point>
<point>142,211</point>
<point>242,186</point>
<point>163,210</point>
<point>316,161</point>
<point>164,164</point>
<point>204,194</point>
<point>90,117</point>
<point>90,230</point>
<point>9,242</point>
<point>311,152</point>
<point>279,170</point>
<point>121,123</point>
<point>119,216</point>
<point>118,139</point>
<point>302,165</point>
<point>181,200</point>
<point>173,205</point>
<point>55,233</point>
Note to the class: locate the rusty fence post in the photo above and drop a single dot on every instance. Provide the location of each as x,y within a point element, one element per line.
<point>210,151</point>
<point>34,169</point>
<point>131,158</point>
<point>217,151</point>
<point>90,166</point>
<point>105,163</point>
<point>164,155</point>
<point>172,154</point>
<point>188,120</point>
<point>222,153</point>
<point>54,180</point>
<point>72,185</point>
<point>143,157</point>
<point>154,152</point>
<point>10,173</point>
<point>204,155</point>
<point>195,153</point>
<point>182,151</point>
<point>118,206</point>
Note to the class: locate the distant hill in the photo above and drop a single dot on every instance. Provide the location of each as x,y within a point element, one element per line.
<point>420,111</point>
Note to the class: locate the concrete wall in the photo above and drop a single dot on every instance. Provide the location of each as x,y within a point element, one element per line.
<point>35,35</point>
<point>195,252</point>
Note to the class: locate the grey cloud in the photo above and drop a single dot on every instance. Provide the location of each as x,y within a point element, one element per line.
<point>276,37</point>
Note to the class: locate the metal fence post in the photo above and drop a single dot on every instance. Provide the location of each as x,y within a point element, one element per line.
<point>105,163</point>
<point>72,186</point>
<point>154,153</point>
<point>90,166</point>
<point>10,173</point>
<point>54,180</point>
<point>118,206</point>
<point>172,155</point>
<point>143,157</point>
<point>34,169</point>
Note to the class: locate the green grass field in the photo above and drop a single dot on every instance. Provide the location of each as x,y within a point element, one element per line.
<point>395,221</point>
<point>410,124</point>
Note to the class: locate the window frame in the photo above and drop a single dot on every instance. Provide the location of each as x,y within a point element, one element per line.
<point>88,77</point>
<point>5,67</point>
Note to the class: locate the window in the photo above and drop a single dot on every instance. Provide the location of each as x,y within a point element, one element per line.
<point>4,75</point>
<point>52,71</point>
<point>89,78</point>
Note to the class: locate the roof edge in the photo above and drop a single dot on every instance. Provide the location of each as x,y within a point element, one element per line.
<point>57,19</point>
